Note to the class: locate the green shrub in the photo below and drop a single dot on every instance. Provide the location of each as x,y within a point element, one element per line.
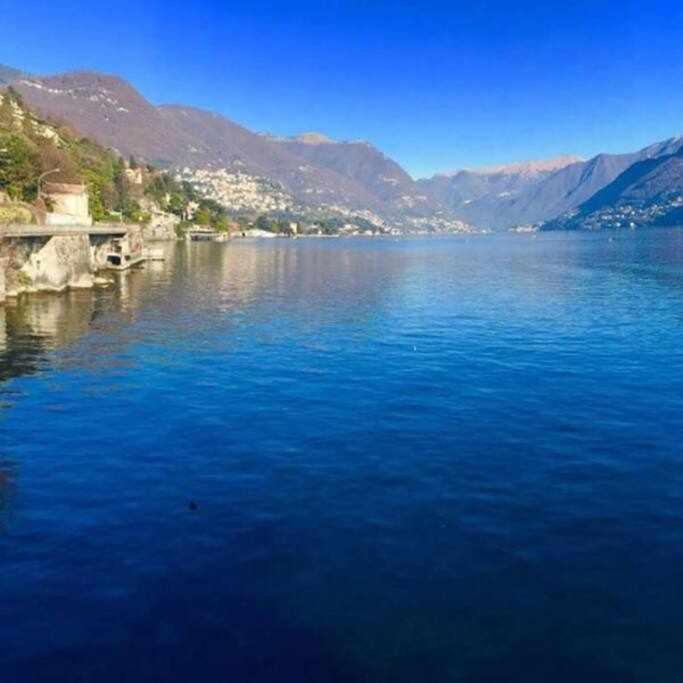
<point>15,214</point>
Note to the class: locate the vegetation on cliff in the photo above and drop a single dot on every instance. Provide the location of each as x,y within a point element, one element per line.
<point>31,148</point>
<point>182,199</point>
<point>35,151</point>
<point>119,189</point>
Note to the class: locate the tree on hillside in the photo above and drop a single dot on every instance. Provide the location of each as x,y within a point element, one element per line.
<point>19,167</point>
<point>177,204</point>
<point>52,158</point>
<point>202,216</point>
<point>264,223</point>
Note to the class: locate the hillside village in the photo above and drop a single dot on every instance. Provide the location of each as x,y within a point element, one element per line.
<point>71,209</point>
<point>172,168</point>
<point>51,175</point>
<point>335,184</point>
<point>665,211</point>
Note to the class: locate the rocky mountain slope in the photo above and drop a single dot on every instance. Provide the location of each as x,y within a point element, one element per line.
<point>9,75</point>
<point>30,146</point>
<point>483,196</point>
<point>378,175</point>
<point>310,172</point>
<point>316,171</point>
<point>649,192</point>
<point>509,198</point>
<point>118,189</point>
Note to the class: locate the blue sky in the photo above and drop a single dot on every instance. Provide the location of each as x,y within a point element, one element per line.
<point>437,86</point>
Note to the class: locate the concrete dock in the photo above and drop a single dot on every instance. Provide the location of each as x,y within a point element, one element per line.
<point>56,257</point>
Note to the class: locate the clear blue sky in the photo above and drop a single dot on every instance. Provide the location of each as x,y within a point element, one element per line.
<point>435,85</point>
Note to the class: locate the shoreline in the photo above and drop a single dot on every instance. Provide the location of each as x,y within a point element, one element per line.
<point>54,262</point>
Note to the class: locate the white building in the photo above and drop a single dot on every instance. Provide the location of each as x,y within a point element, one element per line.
<point>69,204</point>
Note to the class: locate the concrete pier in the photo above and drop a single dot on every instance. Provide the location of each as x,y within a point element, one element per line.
<point>36,258</point>
<point>111,229</point>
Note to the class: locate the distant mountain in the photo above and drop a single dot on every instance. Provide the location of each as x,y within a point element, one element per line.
<point>314,169</point>
<point>8,75</point>
<point>649,192</point>
<point>484,195</point>
<point>382,177</point>
<point>505,199</point>
<point>529,168</point>
<point>233,163</point>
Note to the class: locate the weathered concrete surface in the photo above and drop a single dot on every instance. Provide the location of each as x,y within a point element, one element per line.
<point>3,267</point>
<point>44,258</point>
<point>3,329</point>
<point>106,229</point>
<point>131,244</point>
<point>70,205</point>
<point>50,264</point>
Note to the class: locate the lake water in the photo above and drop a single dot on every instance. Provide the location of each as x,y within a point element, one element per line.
<point>412,460</point>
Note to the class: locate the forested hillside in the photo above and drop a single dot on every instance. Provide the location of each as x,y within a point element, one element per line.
<point>34,150</point>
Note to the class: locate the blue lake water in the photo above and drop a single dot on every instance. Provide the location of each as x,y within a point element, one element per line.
<point>439,459</point>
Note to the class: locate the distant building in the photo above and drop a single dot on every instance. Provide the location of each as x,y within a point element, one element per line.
<point>191,210</point>
<point>69,204</point>
<point>134,175</point>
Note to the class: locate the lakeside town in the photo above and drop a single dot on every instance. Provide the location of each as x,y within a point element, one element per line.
<point>73,206</point>
<point>71,210</point>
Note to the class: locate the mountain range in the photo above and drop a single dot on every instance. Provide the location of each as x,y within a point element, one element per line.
<point>486,196</point>
<point>649,192</point>
<point>534,192</point>
<point>315,171</point>
<point>9,75</point>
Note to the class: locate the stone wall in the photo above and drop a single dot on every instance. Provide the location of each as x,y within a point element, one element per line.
<point>161,226</point>
<point>53,218</point>
<point>3,266</point>
<point>70,204</point>
<point>132,244</point>
<point>100,247</point>
<point>3,329</point>
<point>46,264</point>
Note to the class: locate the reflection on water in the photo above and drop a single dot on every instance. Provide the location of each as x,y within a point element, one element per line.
<point>414,460</point>
<point>225,278</point>
<point>34,325</point>
<point>7,478</point>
